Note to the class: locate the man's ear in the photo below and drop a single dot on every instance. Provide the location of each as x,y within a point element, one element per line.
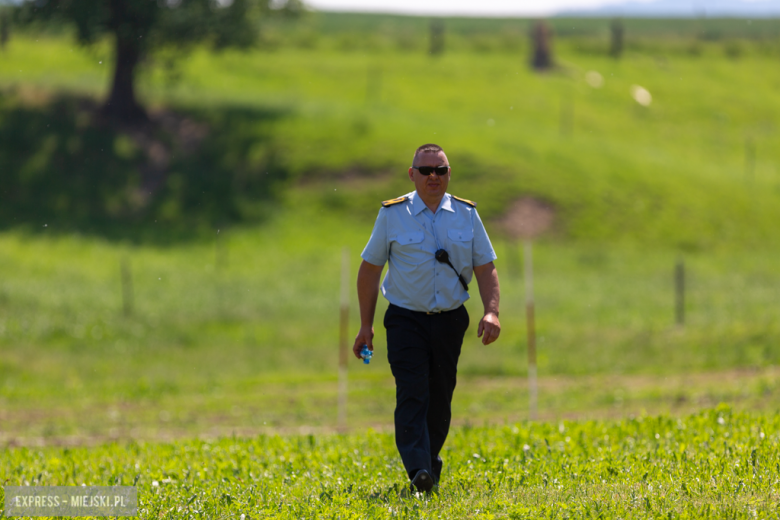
<point>411,174</point>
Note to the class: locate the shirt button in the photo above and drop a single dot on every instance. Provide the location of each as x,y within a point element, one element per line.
<point>437,292</point>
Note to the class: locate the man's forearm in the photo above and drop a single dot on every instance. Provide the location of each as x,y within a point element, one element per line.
<point>487,279</point>
<point>368,291</point>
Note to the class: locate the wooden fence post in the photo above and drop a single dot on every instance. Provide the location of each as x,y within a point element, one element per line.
<point>679,286</point>
<point>531,328</point>
<point>343,344</point>
<point>126,276</point>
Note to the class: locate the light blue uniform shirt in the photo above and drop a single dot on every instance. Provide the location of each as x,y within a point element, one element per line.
<point>407,235</point>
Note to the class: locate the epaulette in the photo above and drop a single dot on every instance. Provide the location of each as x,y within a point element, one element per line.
<point>466,201</point>
<point>390,202</point>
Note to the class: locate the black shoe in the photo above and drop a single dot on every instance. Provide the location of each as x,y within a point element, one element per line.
<point>422,482</point>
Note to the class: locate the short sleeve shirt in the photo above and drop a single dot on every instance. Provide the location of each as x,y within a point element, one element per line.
<point>407,235</point>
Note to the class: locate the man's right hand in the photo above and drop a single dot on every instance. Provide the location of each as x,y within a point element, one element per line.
<point>368,292</point>
<point>364,337</point>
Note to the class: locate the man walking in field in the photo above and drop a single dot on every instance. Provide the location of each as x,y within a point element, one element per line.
<point>432,242</point>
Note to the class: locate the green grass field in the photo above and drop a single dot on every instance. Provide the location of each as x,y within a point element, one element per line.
<point>633,189</point>
<point>713,464</point>
<point>695,169</point>
<point>232,337</point>
<point>245,328</point>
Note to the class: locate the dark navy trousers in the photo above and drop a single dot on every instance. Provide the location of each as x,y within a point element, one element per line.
<point>423,351</point>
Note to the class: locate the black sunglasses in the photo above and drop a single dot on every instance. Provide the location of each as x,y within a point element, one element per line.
<point>427,170</point>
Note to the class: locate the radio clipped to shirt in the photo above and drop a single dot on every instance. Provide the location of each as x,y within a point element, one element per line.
<point>444,257</point>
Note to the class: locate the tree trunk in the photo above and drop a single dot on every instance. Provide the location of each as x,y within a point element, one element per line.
<point>437,37</point>
<point>4,30</point>
<point>616,43</point>
<point>541,38</point>
<point>121,104</point>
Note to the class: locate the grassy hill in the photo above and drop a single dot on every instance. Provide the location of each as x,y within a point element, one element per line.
<point>694,169</point>
<point>294,146</point>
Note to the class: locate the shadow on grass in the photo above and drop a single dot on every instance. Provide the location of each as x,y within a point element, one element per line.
<point>62,169</point>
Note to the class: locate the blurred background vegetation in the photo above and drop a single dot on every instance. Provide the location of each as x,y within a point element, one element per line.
<point>227,203</point>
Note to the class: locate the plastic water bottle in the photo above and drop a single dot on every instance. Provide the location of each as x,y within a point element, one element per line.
<point>366,355</point>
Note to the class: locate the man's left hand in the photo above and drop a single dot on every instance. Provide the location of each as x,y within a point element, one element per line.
<point>489,328</point>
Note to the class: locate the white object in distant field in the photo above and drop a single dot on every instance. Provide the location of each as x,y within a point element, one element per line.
<point>641,95</point>
<point>594,79</point>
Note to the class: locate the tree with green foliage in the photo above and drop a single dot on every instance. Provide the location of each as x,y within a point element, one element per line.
<point>138,27</point>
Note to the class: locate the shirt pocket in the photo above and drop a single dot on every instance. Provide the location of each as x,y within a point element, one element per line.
<point>461,241</point>
<point>406,248</point>
<point>415,237</point>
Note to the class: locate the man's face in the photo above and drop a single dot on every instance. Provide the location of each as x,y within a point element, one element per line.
<point>430,186</point>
